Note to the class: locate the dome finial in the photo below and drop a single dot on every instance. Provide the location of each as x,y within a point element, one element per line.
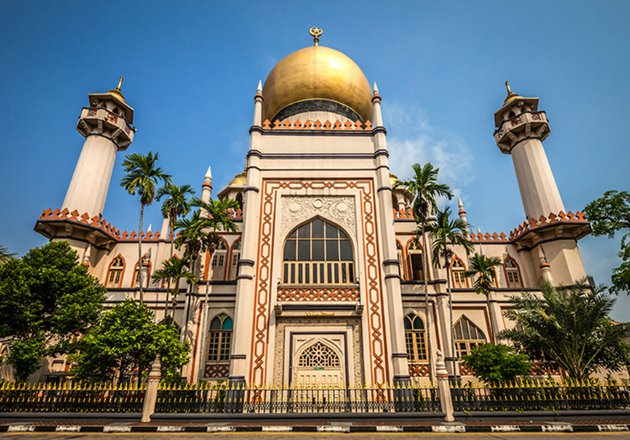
<point>507,86</point>
<point>120,81</point>
<point>316,32</point>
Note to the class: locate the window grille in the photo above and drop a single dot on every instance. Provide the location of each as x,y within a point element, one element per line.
<point>318,253</point>
<point>220,338</point>
<point>319,355</point>
<point>512,273</point>
<point>217,265</point>
<point>416,265</point>
<point>467,336</point>
<point>415,337</point>
<point>460,281</point>
<point>116,269</point>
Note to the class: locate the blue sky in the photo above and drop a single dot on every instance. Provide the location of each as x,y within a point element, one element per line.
<point>191,70</point>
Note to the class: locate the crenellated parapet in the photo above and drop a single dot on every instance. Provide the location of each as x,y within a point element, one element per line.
<point>530,232</point>
<point>317,125</point>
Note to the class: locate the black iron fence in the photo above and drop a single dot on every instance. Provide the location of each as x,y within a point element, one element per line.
<point>218,398</point>
<point>542,395</point>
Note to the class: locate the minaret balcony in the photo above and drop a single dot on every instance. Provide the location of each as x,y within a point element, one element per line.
<point>526,125</point>
<point>103,122</point>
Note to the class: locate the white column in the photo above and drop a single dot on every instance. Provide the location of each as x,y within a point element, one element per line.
<point>245,281</point>
<point>390,262</point>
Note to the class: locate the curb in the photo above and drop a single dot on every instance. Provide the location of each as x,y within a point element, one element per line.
<point>453,428</point>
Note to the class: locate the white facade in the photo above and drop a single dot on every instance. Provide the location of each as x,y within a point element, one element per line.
<point>285,307</point>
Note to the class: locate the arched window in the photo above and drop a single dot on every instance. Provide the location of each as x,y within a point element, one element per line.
<point>399,254</point>
<point>415,256</point>
<point>318,253</point>
<point>458,273</point>
<point>236,255</point>
<point>218,263</point>
<point>116,271</point>
<point>467,336</point>
<point>512,273</point>
<point>220,338</point>
<point>416,338</point>
<point>146,276</point>
<point>319,355</point>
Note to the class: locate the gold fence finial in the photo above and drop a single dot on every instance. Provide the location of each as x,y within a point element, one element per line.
<point>316,32</point>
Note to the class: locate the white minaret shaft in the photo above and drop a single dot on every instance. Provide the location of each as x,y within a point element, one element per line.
<point>520,131</point>
<point>106,126</point>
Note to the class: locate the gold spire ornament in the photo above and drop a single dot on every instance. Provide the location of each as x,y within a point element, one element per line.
<point>316,32</point>
<point>117,91</point>
<point>510,94</point>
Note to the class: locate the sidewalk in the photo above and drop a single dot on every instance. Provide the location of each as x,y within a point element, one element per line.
<point>168,423</point>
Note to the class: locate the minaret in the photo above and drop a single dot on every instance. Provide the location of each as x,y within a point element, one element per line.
<point>106,126</point>
<point>462,212</point>
<point>520,129</point>
<point>206,188</point>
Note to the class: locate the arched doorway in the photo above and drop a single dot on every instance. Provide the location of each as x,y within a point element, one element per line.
<point>319,364</point>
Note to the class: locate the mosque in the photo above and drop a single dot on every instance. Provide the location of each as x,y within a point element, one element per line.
<point>324,280</point>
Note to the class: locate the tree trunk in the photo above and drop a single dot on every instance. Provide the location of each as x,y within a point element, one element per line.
<point>491,318</point>
<point>450,311</point>
<point>425,270</point>
<point>140,253</point>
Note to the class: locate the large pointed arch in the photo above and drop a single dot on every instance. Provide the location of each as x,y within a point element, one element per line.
<point>318,252</point>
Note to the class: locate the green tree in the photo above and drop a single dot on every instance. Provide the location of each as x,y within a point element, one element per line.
<point>569,328</point>
<point>497,363</point>
<point>609,214</point>
<point>141,178</point>
<point>425,188</point>
<point>200,233</point>
<point>125,341</point>
<point>484,271</point>
<point>5,255</point>
<point>445,232</point>
<point>173,270</point>
<point>47,300</point>
<point>176,204</point>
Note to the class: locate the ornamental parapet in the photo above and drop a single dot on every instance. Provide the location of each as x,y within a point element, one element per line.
<point>317,125</point>
<point>528,234</point>
<point>318,293</point>
<point>104,122</point>
<point>527,125</point>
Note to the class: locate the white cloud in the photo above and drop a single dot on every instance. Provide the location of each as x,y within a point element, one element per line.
<point>412,139</point>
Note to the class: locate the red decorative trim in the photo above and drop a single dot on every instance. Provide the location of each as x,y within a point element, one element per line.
<point>287,294</point>
<point>372,276</point>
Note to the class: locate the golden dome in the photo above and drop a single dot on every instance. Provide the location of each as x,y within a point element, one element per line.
<point>317,73</point>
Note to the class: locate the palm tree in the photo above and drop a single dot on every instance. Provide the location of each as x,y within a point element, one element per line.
<point>425,188</point>
<point>569,328</point>
<point>175,205</point>
<point>174,269</point>
<point>199,232</point>
<point>485,270</point>
<point>141,178</point>
<point>447,232</point>
<point>5,255</point>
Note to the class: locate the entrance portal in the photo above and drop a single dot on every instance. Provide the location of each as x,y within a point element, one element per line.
<point>319,365</point>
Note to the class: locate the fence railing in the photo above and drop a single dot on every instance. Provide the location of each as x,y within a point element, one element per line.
<point>218,398</point>
<point>541,395</point>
